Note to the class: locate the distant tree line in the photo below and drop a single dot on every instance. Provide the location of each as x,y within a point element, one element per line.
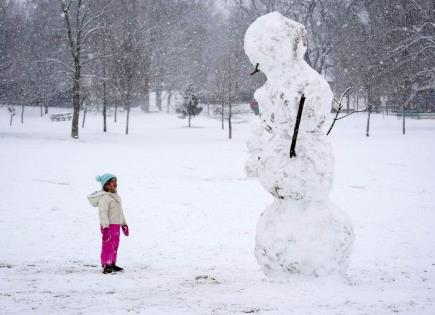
<point>118,53</point>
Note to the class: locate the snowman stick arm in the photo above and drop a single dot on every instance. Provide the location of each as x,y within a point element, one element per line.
<point>355,111</point>
<point>335,119</point>
<point>340,106</point>
<point>298,121</point>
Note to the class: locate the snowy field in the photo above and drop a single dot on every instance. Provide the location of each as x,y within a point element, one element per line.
<point>192,213</point>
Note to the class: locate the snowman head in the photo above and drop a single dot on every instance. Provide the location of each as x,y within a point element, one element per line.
<point>275,42</point>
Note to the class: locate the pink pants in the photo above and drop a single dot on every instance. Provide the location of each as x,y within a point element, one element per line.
<point>109,249</point>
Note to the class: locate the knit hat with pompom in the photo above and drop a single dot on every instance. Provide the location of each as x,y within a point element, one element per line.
<point>103,179</point>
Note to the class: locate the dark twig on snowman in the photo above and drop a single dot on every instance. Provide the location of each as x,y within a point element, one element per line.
<point>298,121</point>
<point>256,69</point>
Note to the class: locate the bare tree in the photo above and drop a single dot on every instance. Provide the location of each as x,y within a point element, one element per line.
<point>128,48</point>
<point>11,51</point>
<point>44,75</point>
<point>80,24</point>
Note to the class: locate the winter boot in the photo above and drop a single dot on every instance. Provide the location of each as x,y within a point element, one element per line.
<point>115,268</point>
<point>107,269</point>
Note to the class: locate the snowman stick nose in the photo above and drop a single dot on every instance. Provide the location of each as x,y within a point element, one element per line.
<point>256,69</point>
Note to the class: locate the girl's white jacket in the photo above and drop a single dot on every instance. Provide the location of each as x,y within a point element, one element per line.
<point>109,207</point>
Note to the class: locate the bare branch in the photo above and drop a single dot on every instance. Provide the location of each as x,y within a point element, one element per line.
<point>60,62</point>
<point>254,5</point>
<point>78,30</point>
<point>98,56</point>
<point>80,26</point>
<point>96,16</point>
<point>92,30</point>
<point>68,27</point>
<point>5,66</point>
<point>96,77</point>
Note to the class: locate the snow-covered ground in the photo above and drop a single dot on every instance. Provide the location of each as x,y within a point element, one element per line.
<point>192,213</point>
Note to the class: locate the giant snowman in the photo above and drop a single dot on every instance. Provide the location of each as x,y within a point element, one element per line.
<point>302,231</point>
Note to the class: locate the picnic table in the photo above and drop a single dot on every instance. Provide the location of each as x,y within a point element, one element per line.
<point>61,116</point>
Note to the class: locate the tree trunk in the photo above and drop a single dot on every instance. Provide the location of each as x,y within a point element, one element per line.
<point>230,129</point>
<point>403,119</point>
<point>407,104</point>
<point>159,98</point>
<point>348,103</point>
<point>223,106</point>
<point>104,90</point>
<point>84,117</point>
<point>76,102</point>
<point>10,122</point>
<point>41,107</point>
<point>116,111</point>
<point>189,119</point>
<point>222,116</point>
<point>46,106</point>
<point>146,104</point>
<point>369,110</point>
<point>75,51</point>
<point>128,120</point>
<point>104,106</point>
<point>22,114</point>
<point>168,101</point>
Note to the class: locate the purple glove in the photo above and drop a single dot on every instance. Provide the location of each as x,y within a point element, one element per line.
<point>106,234</point>
<point>125,230</point>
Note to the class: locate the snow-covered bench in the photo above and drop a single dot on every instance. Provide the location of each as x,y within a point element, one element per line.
<point>61,116</point>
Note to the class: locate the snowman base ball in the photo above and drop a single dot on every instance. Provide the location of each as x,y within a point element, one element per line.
<point>311,238</point>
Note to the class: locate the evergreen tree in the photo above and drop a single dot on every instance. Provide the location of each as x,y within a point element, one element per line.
<point>189,108</point>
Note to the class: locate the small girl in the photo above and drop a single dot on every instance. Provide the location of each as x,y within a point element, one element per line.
<point>111,220</point>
